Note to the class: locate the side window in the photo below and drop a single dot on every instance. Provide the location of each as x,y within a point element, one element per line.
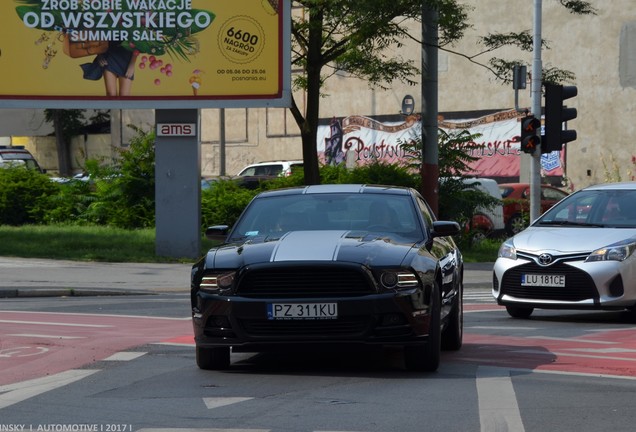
<point>426,213</point>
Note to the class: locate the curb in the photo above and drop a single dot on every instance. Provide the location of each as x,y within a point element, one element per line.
<point>66,292</point>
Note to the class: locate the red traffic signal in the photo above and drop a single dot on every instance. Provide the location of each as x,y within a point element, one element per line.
<point>530,134</point>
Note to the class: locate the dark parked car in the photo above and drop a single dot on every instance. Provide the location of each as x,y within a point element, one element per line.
<point>330,266</point>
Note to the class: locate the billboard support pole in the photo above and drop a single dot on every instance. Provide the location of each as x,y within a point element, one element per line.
<point>178,183</point>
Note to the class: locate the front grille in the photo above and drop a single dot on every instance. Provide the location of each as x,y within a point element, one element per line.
<point>307,329</point>
<point>305,282</point>
<point>579,285</point>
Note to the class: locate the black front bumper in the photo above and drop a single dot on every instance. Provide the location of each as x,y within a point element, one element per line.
<point>400,318</point>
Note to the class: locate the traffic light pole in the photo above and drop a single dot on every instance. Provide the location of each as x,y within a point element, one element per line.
<point>535,165</point>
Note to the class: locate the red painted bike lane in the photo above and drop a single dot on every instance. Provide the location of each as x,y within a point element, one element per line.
<point>609,352</point>
<point>34,344</point>
<point>37,344</point>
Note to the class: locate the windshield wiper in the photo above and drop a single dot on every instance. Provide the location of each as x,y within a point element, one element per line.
<point>570,223</point>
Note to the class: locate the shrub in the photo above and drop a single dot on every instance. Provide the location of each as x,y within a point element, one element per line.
<point>223,203</point>
<point>24,196</point>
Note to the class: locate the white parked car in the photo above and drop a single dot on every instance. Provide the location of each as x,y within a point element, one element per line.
<point>577,255</point>
<point>271,168</point>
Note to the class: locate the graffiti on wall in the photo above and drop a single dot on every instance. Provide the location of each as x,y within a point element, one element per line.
<point>358,140</point>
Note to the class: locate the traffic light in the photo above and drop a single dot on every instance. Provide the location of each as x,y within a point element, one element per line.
<point>529,137</point>
<point>555,115</point>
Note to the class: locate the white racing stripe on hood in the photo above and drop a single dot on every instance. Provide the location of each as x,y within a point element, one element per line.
<point>308,246</point>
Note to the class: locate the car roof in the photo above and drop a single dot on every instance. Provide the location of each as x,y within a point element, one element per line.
<point>274,162</point>
<point>339,188</point>
<point>612,186</point>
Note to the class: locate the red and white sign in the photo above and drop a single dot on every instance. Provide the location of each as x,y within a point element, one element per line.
<point>357,140</point>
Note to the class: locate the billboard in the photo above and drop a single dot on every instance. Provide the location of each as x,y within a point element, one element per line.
<point>144,53</point>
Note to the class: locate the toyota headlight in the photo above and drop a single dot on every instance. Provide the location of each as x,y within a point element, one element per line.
<point>507,250</point>
<point>616,252</point>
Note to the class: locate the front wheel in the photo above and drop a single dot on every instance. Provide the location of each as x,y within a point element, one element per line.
<point>425,358</point>
<point>519,311</point>
<point>516,224</point>
<point>213,358</point>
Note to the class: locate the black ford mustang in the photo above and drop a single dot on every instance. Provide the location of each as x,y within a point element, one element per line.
<point>330,266</point>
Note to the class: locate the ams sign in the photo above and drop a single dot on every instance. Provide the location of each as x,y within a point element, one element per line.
<point>177,129</point>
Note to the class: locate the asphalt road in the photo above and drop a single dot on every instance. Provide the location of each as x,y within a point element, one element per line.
<point>21,277</point>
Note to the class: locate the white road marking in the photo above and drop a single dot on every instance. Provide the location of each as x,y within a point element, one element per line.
<point>23,351</point>
<point>602,350</point>
<point>217,402</point>
<point>573,340</point>
<point>125,356</point>
<point>101,315</point>
<point>13,393</point>
<point>42,336</point>
<point>54,324</point>
<point>498,408</point>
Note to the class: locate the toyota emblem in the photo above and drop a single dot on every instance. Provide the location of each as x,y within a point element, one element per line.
<point>545,259</point>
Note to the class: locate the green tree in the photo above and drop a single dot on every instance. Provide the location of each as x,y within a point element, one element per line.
<point>361,37</point>
<point>358,37</point>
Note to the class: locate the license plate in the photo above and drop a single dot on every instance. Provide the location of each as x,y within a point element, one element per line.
<point>299,311</point>
<point>533,279</point>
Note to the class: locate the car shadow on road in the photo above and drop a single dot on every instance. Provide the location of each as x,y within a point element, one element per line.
<point>364,362</point>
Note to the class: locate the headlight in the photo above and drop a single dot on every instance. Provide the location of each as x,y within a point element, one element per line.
<point>398,279</point>
<point>217,282</point>
<point>616,252</point>
<point>507,250</point>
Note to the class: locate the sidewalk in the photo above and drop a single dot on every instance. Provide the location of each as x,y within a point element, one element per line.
<point>21,277</point>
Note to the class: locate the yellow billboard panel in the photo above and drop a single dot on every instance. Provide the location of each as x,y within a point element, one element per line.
<point>144,53</point>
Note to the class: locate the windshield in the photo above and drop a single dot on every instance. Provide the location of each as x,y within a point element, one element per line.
<point>604,208</point>
<point>275,215</point>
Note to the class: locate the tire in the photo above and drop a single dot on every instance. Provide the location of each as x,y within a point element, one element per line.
<point>516,224</point>
<point>213,358</point>
<point>478,236</point>
<point>519,311</point>
<point>453,333</point>
<point>425,358</point>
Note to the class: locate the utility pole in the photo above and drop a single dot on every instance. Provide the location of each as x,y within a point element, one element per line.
<point>430,153</point>
<point>535,165</point>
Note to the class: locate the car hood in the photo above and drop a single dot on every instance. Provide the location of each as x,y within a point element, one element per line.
<point>569,239</point>
<point>343,246</point>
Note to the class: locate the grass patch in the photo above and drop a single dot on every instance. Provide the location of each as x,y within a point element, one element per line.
<point>82,243</point>
<point>107,244</point>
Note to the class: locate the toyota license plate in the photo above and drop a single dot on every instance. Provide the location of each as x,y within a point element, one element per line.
<point>299,311</point>
<point>534,279</point>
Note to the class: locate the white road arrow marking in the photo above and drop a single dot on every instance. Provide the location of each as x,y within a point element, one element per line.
<point>13,393</point>
<point>223,401</point>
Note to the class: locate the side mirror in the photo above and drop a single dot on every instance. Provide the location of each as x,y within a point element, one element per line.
<point>217,232</point>
<point>445,228</point>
